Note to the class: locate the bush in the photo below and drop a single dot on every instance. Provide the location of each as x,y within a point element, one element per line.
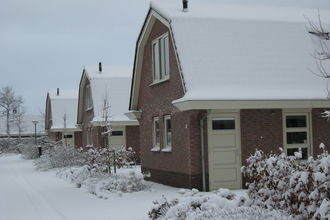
<point>29,151</point>
<point>56,156</point>
<point>222,204</point>
<point>125,158</point>
<point>282,182</point>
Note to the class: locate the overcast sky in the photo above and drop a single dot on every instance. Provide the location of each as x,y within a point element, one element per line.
<point>44,44</point>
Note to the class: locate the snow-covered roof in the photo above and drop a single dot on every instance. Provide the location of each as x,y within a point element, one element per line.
<point>112,84</point>
<point>63,109</point>
<point>27,127</point>
<point>244,52</point>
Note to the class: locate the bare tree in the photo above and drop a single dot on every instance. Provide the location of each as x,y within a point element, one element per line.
<point>321,53</point>
<point>9,103</point>
<point>18,117</point>
<point>106,116</point>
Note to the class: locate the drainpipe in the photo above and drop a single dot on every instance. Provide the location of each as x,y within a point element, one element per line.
<point>201,124</point>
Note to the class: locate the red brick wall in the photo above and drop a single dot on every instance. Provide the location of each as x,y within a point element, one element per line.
<point>181,167</point>
<point>133,139</point>
<point>321,131</point>
<point>262,129</point>
<point>78,139</point>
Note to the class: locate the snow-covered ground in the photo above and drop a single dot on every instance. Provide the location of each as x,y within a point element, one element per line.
<point>27,194</point>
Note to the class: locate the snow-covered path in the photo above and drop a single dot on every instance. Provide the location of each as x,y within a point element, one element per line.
<point>26,194</point>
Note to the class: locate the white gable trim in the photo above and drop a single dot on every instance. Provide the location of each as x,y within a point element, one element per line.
<point>146,29</point>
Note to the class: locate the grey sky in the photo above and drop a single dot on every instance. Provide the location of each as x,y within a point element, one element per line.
<point>44,44</point>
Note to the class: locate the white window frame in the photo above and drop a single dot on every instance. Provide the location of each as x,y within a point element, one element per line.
<point>167,146</point>
<point>156,146</point>
<point>160,58</point>
<point>306,129</point>
<point>88,99</point>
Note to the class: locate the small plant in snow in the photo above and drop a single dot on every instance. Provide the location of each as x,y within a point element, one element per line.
<point>281,182</point>
<point>125,158</point>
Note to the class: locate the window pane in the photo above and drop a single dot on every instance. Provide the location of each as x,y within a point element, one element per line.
<point>168,132</point>
<point>68,136</point>
<point>116,133</point>
<point>223,124</point>
<point>296,121</point>
<point>166,56</point>
<point>157,134</point>
<point>290,152</point>
<point>296,138</point>
<point>155,60</point>
<point>162,58</point>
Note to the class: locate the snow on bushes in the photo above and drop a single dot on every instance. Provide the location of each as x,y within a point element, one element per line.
<point>222,204</point>
<point>57,155</point>
<point>101,184</point>
<point>284,183</point>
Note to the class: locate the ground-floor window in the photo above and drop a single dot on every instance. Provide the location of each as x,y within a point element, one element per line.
<point>167,133</point>
<point>155,134</point>
<point>297,133</point>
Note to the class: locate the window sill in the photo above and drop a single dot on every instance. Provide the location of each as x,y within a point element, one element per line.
<point>154,83</point>
<point>155,149</point>
<point>88,109</point>
<point>167,149</point>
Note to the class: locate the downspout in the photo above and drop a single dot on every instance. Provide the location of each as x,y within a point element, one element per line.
<point>201,124</point>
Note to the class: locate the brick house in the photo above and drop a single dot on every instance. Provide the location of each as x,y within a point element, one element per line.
<point>103,95</point>
<point>212,83</point>
<point>60,117</point>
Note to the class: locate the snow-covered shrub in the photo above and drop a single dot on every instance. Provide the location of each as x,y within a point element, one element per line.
<point>9,145</point>
<point>281,182</point>
<point>214,206</point>
<point>29,151</point>
<point>99,183</point>
<point>99,159</point>
<point>125,157</point>
<point>56,155</point>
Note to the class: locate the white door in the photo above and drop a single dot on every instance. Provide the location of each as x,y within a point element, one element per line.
<point>117,138</point>
<point>224,151</point>
<point>68,139</point>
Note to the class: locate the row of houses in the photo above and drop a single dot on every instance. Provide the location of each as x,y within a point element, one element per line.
<point>209,85</point>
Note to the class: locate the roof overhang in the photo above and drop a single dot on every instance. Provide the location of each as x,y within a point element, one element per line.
<point>134,115</point>
<point>250,104</point>
<point>115,123</point>
<point>64,129</point>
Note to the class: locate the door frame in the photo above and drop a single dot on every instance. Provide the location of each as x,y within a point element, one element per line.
<point>225,114</point>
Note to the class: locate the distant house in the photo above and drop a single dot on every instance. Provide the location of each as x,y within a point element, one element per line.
<point>61,115</point>
<point>22,127</point>
<point>103,101</point>
<point>212,84</point>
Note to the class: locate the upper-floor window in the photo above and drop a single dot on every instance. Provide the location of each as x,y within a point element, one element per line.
<point>88,98</point>
<point>160,58</point>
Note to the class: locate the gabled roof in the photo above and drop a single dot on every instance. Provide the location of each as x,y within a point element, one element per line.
<point>63,109</point>
<point>241,52</point>
<point>112,84</point>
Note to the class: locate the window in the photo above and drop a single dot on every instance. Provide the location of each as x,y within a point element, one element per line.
<point>160,58</point>
<point>296,133</point>
<point>89,136</point>
<point>155,134</point>
<point>67,136</point>
<point>88,98</point>
<point>116,133</point>
<point>167,133</point>
<point>223,123</point>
